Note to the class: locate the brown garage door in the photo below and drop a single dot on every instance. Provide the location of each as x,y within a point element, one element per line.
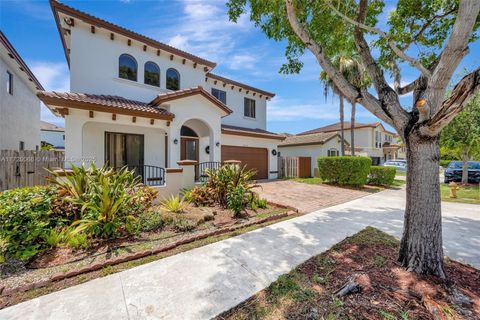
<point>254,158</point>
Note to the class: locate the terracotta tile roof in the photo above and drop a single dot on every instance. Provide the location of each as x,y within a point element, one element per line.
<point>241,131</point>
<point>169,96</point>
<point>336,127</point>
<point>103,103</point>
<point>67,10</point>
<point>47,126</point>
<point>22,65</point>
<point>239,84</point>
<point>309,139</point>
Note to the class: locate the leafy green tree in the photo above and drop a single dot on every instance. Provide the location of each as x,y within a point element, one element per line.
<point>439,32</point>
<point>462,135</point>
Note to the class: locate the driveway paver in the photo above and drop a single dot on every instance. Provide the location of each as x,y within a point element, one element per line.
<point>203,282</point>
<point>305,197</point>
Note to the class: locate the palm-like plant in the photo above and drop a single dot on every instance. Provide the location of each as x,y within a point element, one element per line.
<point>351,68</point>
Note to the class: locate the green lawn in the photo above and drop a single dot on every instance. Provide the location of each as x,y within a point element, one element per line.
<point>401,173</point>
<point>466,194</point>
<point>314,180</point>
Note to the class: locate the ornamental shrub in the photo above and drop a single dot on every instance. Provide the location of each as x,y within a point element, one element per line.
<point>381,176</point>
<point>26,220</point>
<point>344,170</point>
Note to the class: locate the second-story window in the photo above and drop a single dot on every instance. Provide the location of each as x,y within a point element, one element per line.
<point>173,79</point>
<point>152,74</point>
<point>249,108</point>
<point>378,138</point>
<point>220,95</point>
<point>9,82</point>
<point>127,67</point>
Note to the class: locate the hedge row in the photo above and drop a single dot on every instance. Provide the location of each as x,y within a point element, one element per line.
<point>345,170</point>
<point>354,171</point>
<point>381,176</point>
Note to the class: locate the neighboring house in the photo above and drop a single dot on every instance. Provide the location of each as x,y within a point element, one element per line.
<point>135,101</point>
<point>19,105</point>
<point>311,145</point>
<point>371,139</point>
<point>52,135</point>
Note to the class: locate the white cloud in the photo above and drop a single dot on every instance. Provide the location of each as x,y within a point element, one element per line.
<point>280,109</point>
<point>204,29</point>
<point>54,76</point>
<point>242,61</point>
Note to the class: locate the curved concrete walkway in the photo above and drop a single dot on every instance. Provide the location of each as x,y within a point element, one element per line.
<point>204,282</point>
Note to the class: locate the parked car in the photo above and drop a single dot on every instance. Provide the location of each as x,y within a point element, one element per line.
<point>400,165</point>
<point>455,168</point>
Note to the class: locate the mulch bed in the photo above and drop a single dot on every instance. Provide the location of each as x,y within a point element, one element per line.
<point>61,267</point>
<point>387,290</point>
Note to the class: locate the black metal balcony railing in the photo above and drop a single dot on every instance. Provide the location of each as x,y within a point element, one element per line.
<point>151,175</point>
<point>200,169</point>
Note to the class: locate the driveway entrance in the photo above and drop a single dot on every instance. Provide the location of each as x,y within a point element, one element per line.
<point>305,197</point>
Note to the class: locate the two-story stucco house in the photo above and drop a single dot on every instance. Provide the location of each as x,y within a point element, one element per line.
<point>19,105</point>
<point>371,139</point>
<point>136,101</point>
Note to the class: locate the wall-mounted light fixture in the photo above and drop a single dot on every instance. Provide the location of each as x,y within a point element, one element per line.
<point>217,144</point>
<point>274,152</point>
<point>175,141</point>
<point>207,149</point>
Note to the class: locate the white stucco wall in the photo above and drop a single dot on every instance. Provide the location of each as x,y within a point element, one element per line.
<point>55,138</point>
<point>85,140</point>
<point>20,112</point>
<point>270,144</point>
<point>312,151</point>
<point>235,101</point>
<point>94,66</point>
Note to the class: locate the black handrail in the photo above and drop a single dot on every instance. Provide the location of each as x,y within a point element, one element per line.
<point>200,174</point>
<point>151,175</point>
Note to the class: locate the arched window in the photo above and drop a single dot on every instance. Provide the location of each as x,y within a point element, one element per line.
<point>152,74</point>
<point>173,79</point>
<point>187,132</point>
<point>127,67</point>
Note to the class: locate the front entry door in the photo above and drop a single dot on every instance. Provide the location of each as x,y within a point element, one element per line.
<point>189,151</point>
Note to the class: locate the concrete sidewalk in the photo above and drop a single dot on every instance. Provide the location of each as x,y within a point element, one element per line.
<point>204,282</point>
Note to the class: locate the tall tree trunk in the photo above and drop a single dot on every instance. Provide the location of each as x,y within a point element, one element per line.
<point>465,159</point>
<point>352,129</point>
<point>421,246</point>
<point>342,131</point>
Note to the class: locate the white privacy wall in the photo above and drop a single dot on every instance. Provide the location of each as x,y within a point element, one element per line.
<point>313,151</point>
<point>270,144</point>
<point>20,112</point>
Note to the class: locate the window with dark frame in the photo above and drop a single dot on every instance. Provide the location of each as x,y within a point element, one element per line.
<point>173,79</point>
<point>220,95</point>
<point>127,67</point>
<point>333,153</point>
<point>21,146</point>
<point>9,82</point>
<point>152,74</point>
<point>249,108</point>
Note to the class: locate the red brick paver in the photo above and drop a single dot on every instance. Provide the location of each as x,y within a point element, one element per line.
<point>305,197</point>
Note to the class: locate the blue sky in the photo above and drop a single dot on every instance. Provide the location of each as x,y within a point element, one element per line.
<point>241,51</point>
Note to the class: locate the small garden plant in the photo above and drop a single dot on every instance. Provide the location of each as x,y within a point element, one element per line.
<point>229,186</point>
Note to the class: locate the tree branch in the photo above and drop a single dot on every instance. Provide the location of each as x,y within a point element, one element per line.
<point>397,79</point>
<point>363,97</point>
<point>401,54</point>
<point>463,91</point>
<point>388,98</point>
<point>455,49</point>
